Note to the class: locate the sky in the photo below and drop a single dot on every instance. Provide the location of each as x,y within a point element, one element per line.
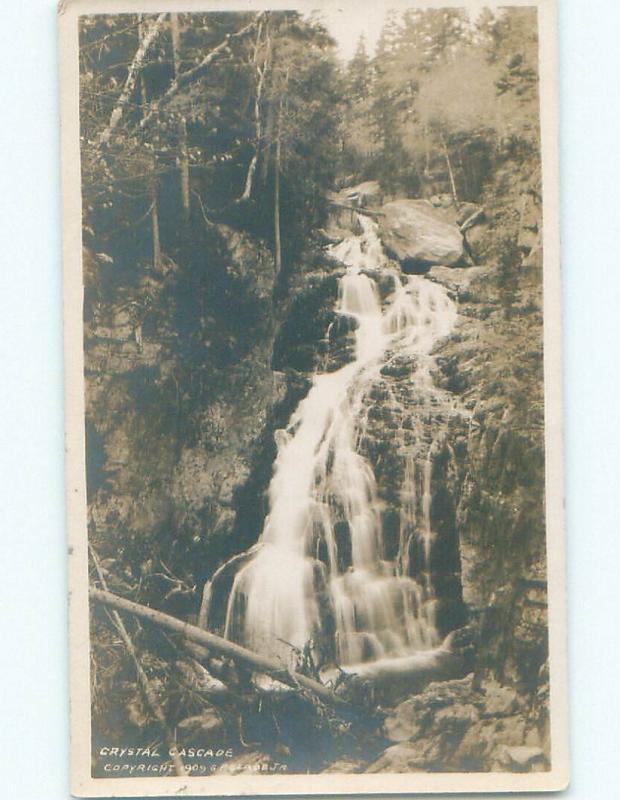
<point>346,27</point>
<point>346,20</point>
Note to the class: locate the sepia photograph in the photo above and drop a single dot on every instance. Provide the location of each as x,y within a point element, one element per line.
<point>314,424</point>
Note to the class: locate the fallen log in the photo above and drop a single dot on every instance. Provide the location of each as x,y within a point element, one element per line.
<point>365,211</point>
<point>145,685</point>
<point>216,644</point>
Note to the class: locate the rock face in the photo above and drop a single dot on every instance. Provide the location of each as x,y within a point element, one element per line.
<point>178,421</point>
<point>420,235</point>
<point>458,726</point>
<point>346,766</point>
<point>493,363</point>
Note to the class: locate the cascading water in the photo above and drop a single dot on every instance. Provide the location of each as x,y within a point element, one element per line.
<point>295,588</point>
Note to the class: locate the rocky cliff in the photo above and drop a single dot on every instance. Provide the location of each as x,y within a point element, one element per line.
<point>181,399</point>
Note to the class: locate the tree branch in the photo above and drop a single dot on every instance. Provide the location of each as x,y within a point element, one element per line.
<point>132,77</point>
<point>189,75</point>
<point>472,220</point>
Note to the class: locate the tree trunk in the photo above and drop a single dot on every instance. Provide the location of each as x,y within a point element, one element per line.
<point>427,151</point>
<point>183,153</point>
<point>276,197</point>
<point>155,231</point>
<point>156,240</point>
<point>450,172</point>
<point>258,120</point>
<point>146,41</point>
<point>216,644</point>
<point>267,146</point>
<point>365,211</point>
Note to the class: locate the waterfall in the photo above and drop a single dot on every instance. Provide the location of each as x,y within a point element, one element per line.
<point>320,568</point>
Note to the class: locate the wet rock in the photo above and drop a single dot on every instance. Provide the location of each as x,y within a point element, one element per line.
<point>207,726</point>
<point>386,282</point>
<point>400,367</point>
<point>338,356</point>
<point>404,757</point>
<point>418,235</point>
<point>499,701</point>
<point>456,720</point>
<point>485,743</point>
<point>456,281</point>
<point>332,234</point>
<point>442,200</point>
<point>520,759</point>
<point>342,325</point>
<point>476,745</point>
<point>346,766</point>
<point>404,723</point>
<point>379,391</point>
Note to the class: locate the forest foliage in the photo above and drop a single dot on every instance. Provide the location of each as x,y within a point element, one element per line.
<point>442,86</point>
<point>208,124</point>
<point>250,119</point>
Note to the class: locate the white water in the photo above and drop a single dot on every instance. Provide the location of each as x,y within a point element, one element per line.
<point>280,597</point>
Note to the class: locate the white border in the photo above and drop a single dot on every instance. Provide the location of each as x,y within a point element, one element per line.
<point>82,783</point>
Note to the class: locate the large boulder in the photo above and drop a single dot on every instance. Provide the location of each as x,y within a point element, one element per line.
<point>419,235</point>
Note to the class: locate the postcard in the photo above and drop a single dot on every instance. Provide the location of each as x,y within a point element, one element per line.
<point>313,397</point>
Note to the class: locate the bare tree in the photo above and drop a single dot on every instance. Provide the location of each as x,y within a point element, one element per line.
<point>183,158</point>
<point>191,74</point>
<point>154,210</point>
<point>146,41</point>
<point>261,67</point>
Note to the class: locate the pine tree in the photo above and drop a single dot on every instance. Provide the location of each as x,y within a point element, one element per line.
<point>359,72</point>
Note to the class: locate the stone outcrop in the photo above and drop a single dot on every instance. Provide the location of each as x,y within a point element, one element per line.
<point>460,726</point>
<point>174,445</point>
<point>418,235</point>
